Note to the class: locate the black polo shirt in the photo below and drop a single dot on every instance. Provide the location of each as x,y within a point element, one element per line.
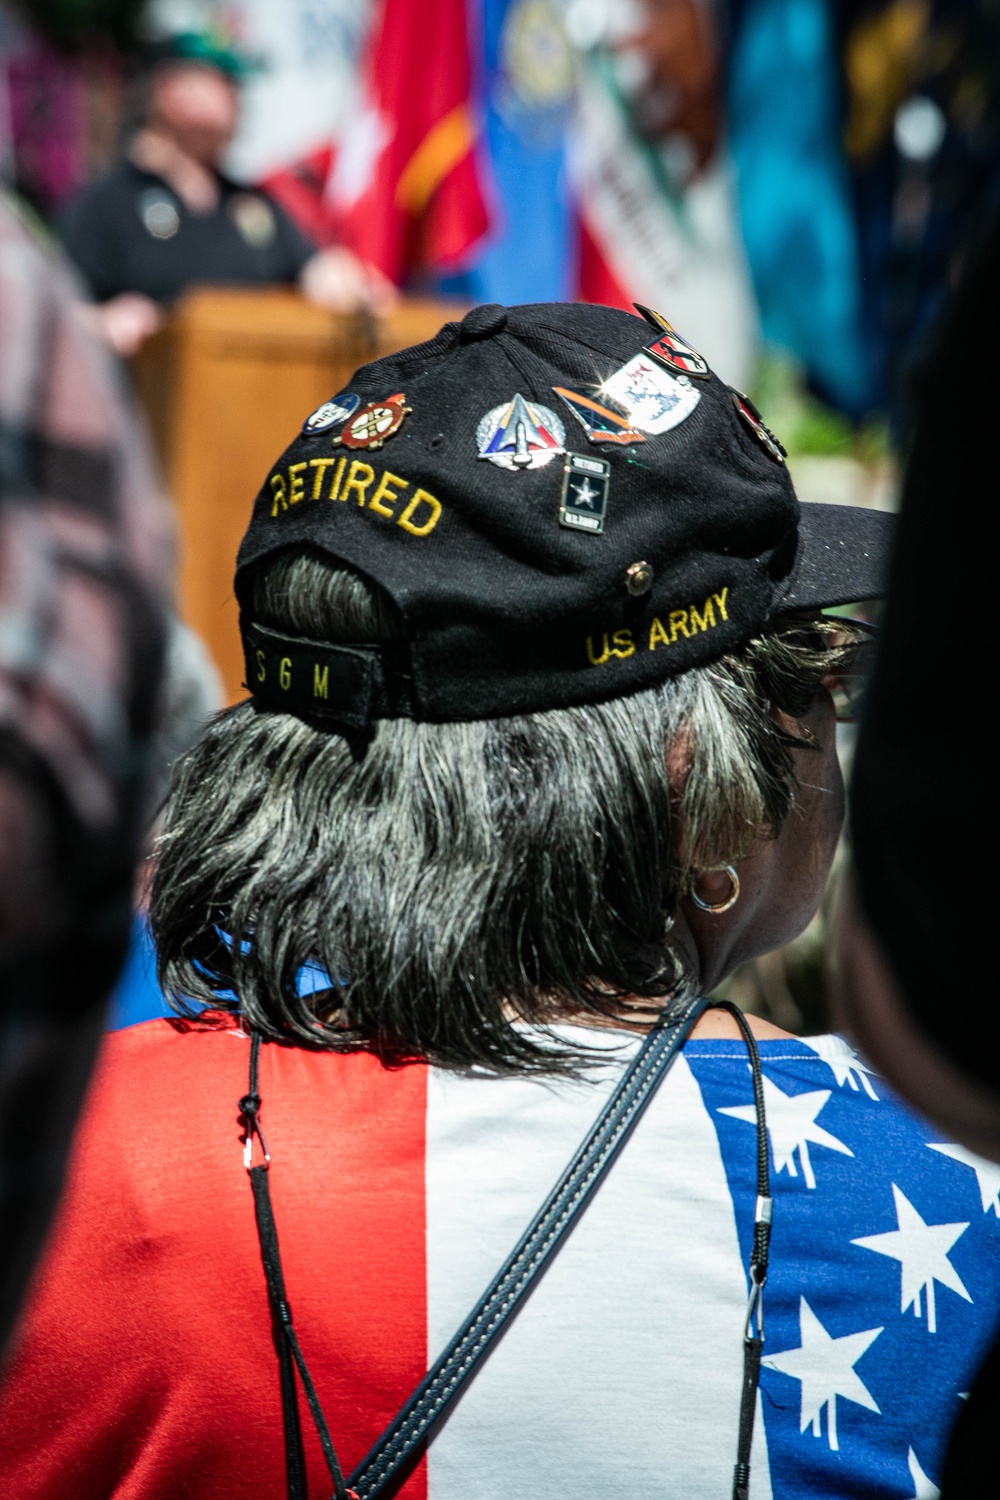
<point>130,232</point>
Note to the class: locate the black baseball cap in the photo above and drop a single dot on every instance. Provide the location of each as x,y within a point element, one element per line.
<point>564,504</point>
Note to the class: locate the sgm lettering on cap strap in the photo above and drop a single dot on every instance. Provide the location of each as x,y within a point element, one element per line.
<point>338,685</point>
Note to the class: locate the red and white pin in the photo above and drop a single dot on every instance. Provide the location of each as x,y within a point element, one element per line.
<point>752,419</point>
<point>672,350</point>
<point>374,423</point>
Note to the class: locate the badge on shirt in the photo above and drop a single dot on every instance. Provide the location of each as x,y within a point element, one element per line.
<point>751,418</point>
<point>331,413</point>
<point>254,218</point>
<point>158,212</point>
<point>520,434</point>
<point>600,423</point>
<point>584,501</point>
<point>374,423</point>
<point>654,400</point>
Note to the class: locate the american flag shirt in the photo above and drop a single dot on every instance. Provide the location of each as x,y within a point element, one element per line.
<point>145,1366</point>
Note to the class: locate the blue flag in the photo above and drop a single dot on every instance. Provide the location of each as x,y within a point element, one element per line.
<point>794,194</point>
<point>526,84</point>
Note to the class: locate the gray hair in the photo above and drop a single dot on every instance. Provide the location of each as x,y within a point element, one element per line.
<point>449,880</point>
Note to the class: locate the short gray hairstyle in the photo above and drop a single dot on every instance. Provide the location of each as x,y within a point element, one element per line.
<point>450,880</point>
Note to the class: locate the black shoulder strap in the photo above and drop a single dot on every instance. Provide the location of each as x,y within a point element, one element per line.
<point>413,1426</point>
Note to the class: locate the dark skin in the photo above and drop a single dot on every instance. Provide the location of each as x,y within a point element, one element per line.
<point>781,880</point>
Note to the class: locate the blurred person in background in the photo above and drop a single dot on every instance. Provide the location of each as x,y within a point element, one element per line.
<point>921,135</point>
<point>917,943</point>
<point>86,557</point>
<point>167,217</point>
<point>541,745</point>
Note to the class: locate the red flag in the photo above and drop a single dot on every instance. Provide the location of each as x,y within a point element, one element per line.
<point>596,281</point>
<point>405,185</point>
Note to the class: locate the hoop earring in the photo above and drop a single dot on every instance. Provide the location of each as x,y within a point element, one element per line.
<point>720,906</point>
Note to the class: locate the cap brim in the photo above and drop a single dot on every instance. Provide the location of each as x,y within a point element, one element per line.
<point>843,556</point>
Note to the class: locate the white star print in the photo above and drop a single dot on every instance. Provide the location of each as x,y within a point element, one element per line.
<point>922,1251</point>
<point>846,1067</point>
<point>987,1174</point>
<point>791,1124</point>
<point>923,1487</point>
<point>825,1366</point>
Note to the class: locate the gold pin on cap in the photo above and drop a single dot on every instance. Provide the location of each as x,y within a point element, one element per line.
<point>639,578</point>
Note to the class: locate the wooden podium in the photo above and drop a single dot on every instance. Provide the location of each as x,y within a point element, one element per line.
<point>225,386</point>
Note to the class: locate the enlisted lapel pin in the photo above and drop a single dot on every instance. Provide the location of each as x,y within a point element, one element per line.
<point>520,434</point>
<point>655,400</point>
<point>585,486</point>
<point>331,413</point>
<point>600,423</point>
<point>672,350</point>
<point>751,418</point>
<point>374,423</point>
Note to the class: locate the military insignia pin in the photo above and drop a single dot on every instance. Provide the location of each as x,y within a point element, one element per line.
<point>670,349</point>
<point>654,400</point>
<point>331,413</point>
<point>655,319</point>
<point>520,435</point>
<point>599,423</point>
<point>254,218</point>
<point>752,419</point>
<point>374,423</point>
<point>585,486</point>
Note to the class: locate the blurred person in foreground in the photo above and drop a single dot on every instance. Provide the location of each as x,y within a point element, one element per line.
<point>85,567</point>
<point>541,745</point>
<point>921,1001</point>
<point>167,217</point>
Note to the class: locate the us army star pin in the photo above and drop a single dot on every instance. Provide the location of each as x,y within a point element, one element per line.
<point>584,502</point>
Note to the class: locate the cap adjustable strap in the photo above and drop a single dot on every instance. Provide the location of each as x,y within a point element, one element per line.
<point>332,686</point>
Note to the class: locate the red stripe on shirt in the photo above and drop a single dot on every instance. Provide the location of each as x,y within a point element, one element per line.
<point>145,1365</point>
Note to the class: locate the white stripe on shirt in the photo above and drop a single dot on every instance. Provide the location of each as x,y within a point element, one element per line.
<point>621,1375</point>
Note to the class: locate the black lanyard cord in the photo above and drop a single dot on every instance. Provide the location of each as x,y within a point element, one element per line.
<point>753,1331</point>
<point>384,1466</point>
<point>285,1338</point>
